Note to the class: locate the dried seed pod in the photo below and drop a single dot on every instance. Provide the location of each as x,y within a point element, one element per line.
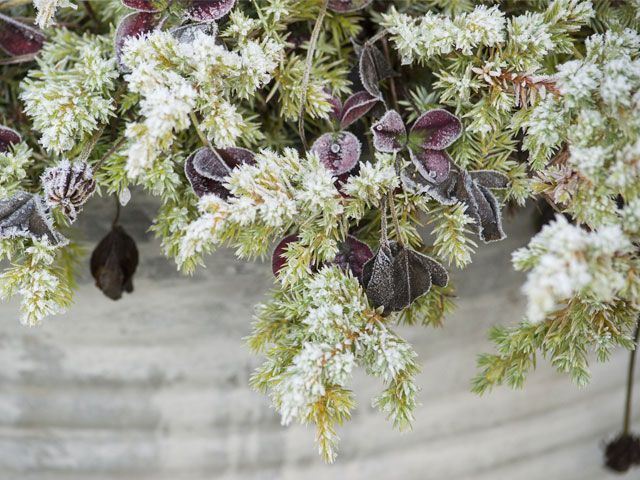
<point>344,6</point>
<point>113,263</point>
<point>396,276</point>
<point>18,39</point>
<point>68,186</point>
<point>27,215</point>
<point>622,453</point>
<point>352,255</point>
<point>339,152</point>
<point>207,169</point>
<point>8,137</point>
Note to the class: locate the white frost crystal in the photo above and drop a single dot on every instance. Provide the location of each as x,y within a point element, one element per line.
<point>47,10</point>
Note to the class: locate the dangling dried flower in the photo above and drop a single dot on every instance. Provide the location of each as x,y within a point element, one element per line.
<point>622,453</point>
<point>68,186</point>
<point>27,215</point>
<point>113,263</point>
<point>396,276</point>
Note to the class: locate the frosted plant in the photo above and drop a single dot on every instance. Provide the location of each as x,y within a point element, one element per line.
<point>325,134</point>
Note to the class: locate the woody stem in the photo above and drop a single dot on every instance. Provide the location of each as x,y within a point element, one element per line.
<point>626,423</point>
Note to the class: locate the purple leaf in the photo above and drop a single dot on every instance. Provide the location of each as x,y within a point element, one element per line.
<point>187,33</point>
<point>339,152</point>
<point>433,165</point>
<point>373,68</point>
<point>133,25</point>
<point>8,137</point>
<point>352,255</point>
<point>389,133</point>
<point>26,215</point>
<point>278,259</point>
<point>436,130</point>
<point>141,5</point>
<point>207,170</point>
<point>490,178</point>
<point>18,39</point>
<point>355,107</point>
<point>336,106</point>
<point>208,10</point>
<point>397,276</point>
<point>442,193</point>
<point>236,156</point>
<point>343,6</point>
<point>113,263</point>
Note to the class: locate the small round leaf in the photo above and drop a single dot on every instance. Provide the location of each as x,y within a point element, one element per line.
<point>339,152</point>
<point>389,133</point>
<point>436,130</point>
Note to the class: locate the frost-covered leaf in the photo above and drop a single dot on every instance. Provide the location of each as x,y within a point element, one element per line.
<point>207,170</point>
<point>133,25</point>
<point>26,215</point>
<point>336,106</point>
<point>343,6</point>
<point>113,263</point>
<point>490,178</point>
<point>187,33</point>
<point>483,207</point>
<point>389,133</point>
<point>278,260</point>
<point>8,137</point>
<point>142,5</point>
<point>435,130</point>
<point>68,186</point>
<point>433,165</point>
<point>398,275</point>
<point>352,255</point>
<point>356,106</point>
<point>208,10</point>
<point>18,39</point>
<point>373,68</point>
<point>339,152</point>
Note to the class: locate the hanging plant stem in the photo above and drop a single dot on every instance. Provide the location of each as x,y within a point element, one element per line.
<point>315,34</point>
<point>626,423</point>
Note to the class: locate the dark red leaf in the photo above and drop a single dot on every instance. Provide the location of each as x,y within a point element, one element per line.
<point>339,152</point>
<point>436,130</point>
<point>8,137</point>
<point>389,133</point>
<point>133,25</point>
<point>336,106</point>
<point>113,263</point>
<point>352,255</point>
<point>356,106</point>
<point>236,156</point>
<point>18,39</point>
<point>433,165</point>
<point>207,170</point>
<point>343,6</point>
<point>278,260</point>
<point>142,5</point>
<point>208,10</point>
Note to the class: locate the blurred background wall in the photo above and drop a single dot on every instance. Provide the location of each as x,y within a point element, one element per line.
<point>155,386</point>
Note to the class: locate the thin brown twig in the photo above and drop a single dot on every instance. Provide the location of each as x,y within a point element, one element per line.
<point>626,422</point>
